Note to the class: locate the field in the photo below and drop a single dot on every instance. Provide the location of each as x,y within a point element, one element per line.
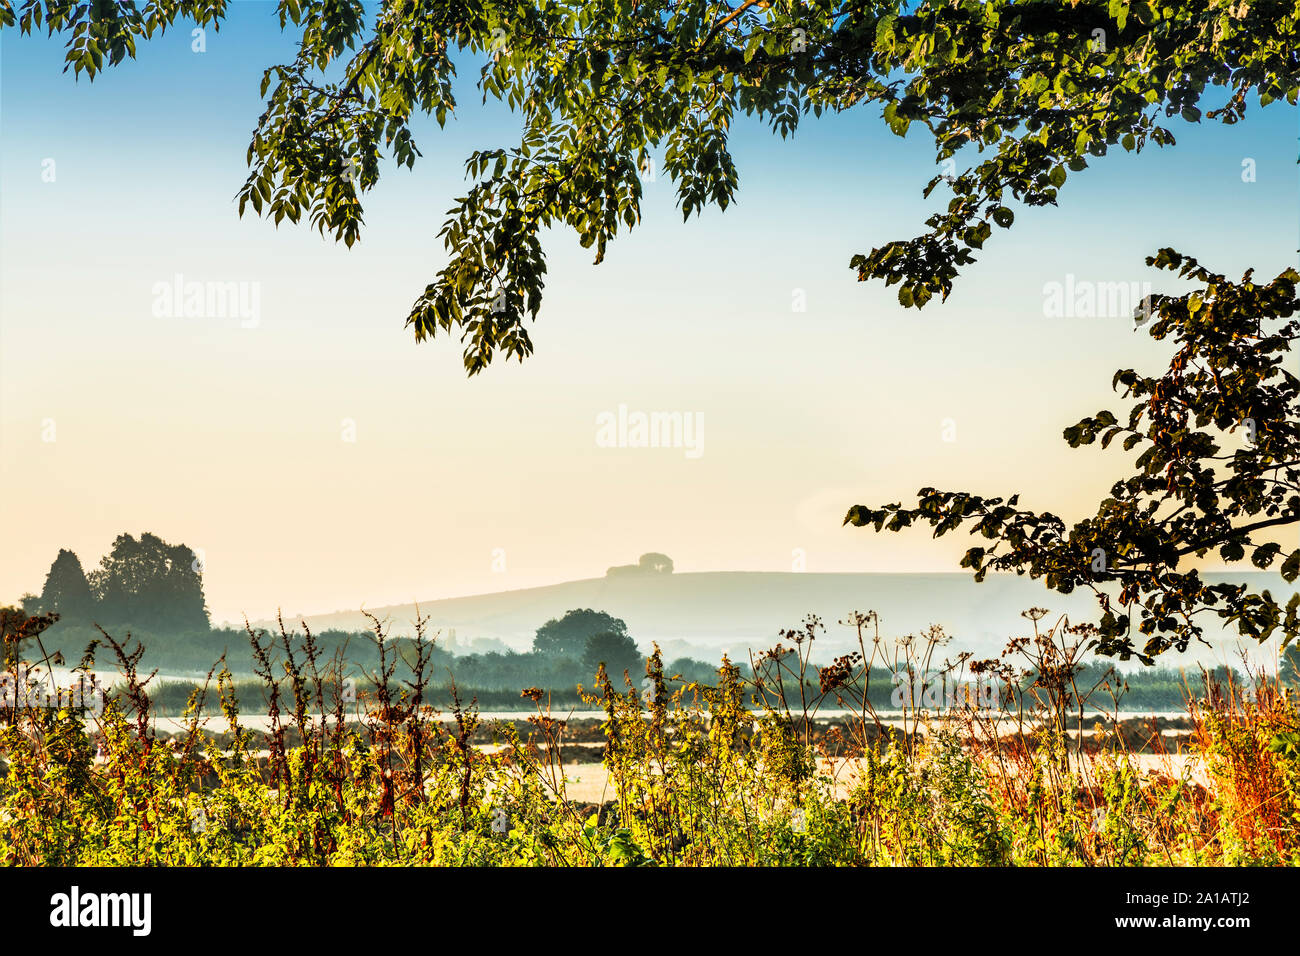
<point>735,772</point>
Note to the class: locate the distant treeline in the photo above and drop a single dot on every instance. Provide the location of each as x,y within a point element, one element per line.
<point>497,678</point>
<point>152,592</point>
<point>494,681</point>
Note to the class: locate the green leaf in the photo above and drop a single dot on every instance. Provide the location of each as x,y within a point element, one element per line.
<point>1232,551</point>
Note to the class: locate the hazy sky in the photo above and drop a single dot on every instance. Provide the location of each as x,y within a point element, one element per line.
<point>234,439</point>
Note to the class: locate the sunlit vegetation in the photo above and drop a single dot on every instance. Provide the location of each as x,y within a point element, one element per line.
<point>734,771</point>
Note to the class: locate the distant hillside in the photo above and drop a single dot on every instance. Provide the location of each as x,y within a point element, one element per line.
<point>700,614</point>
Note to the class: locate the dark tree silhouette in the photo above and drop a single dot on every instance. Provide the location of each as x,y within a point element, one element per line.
<point>567,636</point>
<point>67,592</point>
<point>615,650</point>
<point>150,584</point>
<point>656,562</point>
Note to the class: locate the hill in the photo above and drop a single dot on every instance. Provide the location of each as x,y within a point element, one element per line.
<point>700,614</point>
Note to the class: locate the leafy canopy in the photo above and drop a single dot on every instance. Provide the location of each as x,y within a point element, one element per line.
<point>1022,92</point>
<point>567,636</point>
<point>66,591</point>
<point>1191,492</point>
<point>151,584</point>
<point>1036,88</point>
<point>615,650</point>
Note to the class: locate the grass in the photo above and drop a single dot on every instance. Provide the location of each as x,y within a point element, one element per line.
<point>736,771</point>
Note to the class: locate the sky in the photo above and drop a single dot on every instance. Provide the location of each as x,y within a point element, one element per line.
<point>322,460</point>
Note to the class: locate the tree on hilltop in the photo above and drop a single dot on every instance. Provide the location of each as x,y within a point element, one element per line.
<point>656,563</point>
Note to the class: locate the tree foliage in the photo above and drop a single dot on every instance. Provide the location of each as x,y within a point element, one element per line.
<point>656,563</point>
<point>66,591</point>
<point>148,583</point>
<point>615,650</point>
<point>567,636</point>
<point>1289,666</point>
<point>1191,493</point>
<point>650,563</point>
<point>1036,90</point>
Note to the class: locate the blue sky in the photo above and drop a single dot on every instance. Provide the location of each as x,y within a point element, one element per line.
<point>229,438</point>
